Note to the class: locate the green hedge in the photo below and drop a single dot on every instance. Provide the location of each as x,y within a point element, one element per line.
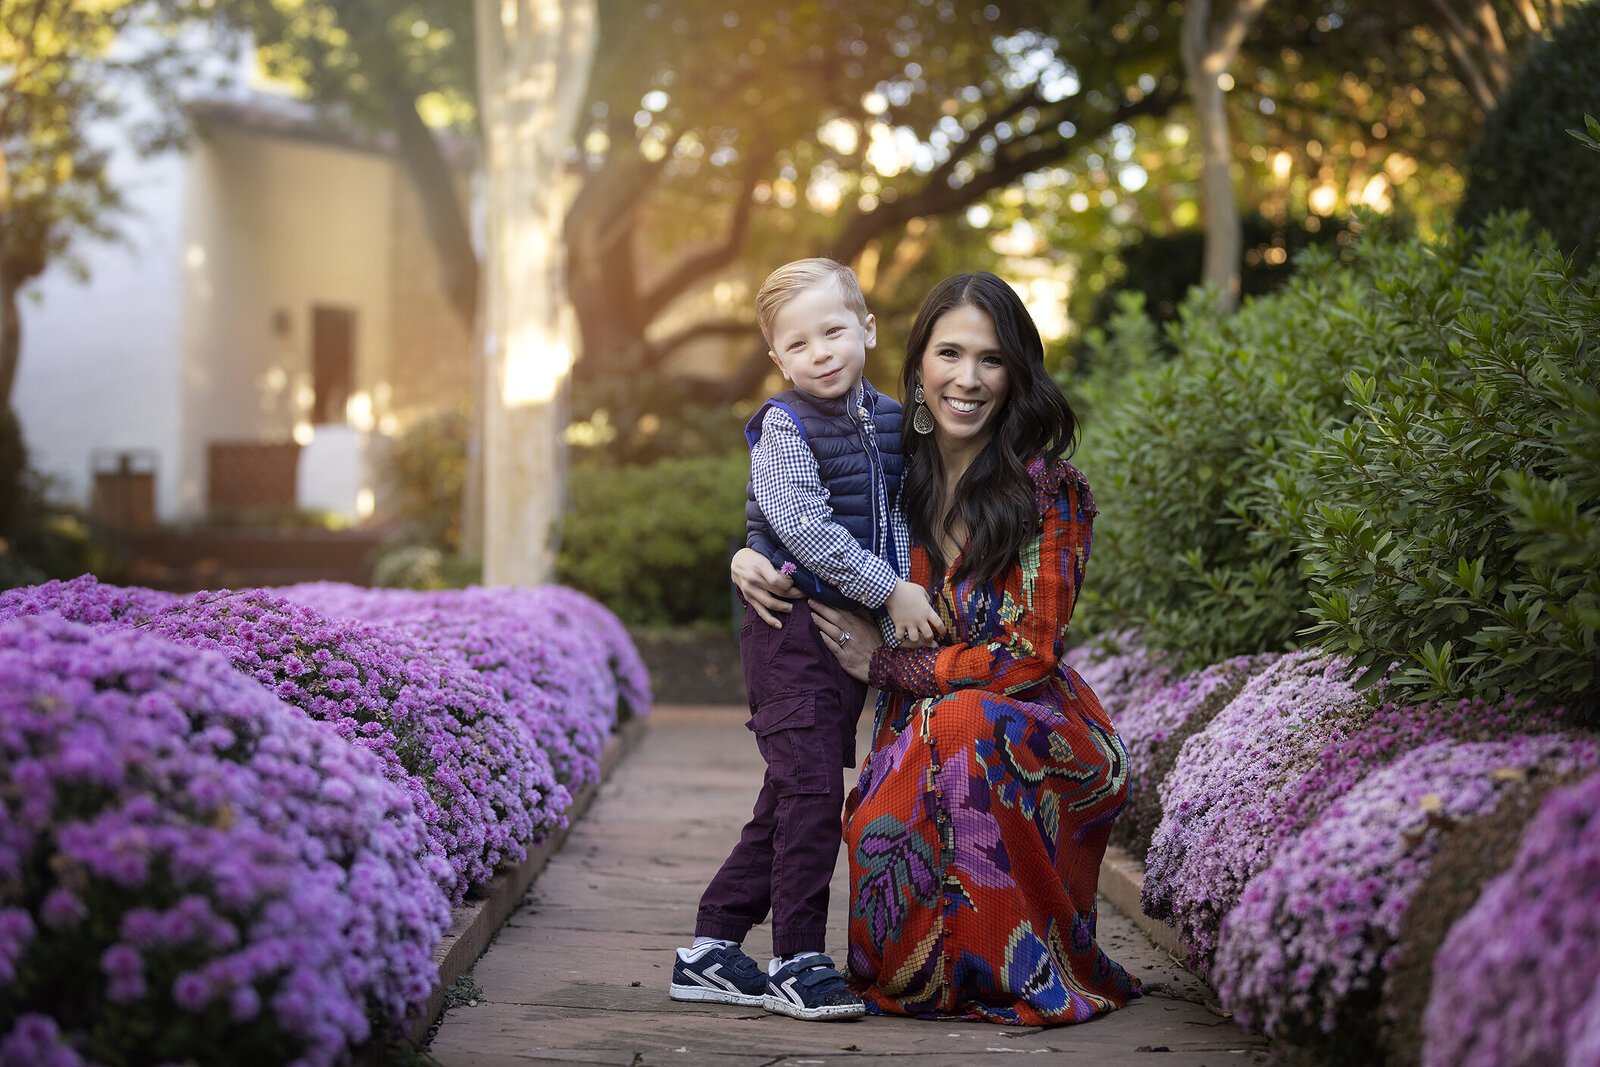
<point>1181,548</point>
<point>1453,524</point>
<point>1398,459</point>
<point>652,542</point>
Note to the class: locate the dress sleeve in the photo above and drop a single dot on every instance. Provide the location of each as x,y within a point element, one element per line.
<point>1032,604</point>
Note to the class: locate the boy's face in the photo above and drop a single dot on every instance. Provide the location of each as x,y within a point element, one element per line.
<point>818,342</point>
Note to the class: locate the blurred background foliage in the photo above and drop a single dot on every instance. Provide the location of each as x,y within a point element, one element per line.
<point>652,541</point>
<point>1525,160</point>
<point>1051,140</point>
<point>1055,142</point>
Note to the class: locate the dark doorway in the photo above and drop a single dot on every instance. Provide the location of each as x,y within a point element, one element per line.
<point>333,346</point>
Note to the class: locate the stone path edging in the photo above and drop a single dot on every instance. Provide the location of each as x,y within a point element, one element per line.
<point>474,923</point>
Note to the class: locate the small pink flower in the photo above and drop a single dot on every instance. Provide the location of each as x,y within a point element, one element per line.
<point>788,568</point>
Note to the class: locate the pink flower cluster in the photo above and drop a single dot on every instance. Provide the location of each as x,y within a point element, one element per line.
<point>1317,928</point>
<point>1123,673</point>
<point>1149,720</point>
<point>1517,981</point>
<point>85,599</point>
<point>1298,824</point>
<point>178,844</point>
<point>1395,730</point>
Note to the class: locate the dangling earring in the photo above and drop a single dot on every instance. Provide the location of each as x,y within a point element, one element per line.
<point>921,418</point>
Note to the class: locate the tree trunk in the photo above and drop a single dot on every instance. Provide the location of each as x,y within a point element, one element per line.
<point>1467,49</point>
<point>10,336</point>
<point>10,323</point>
<point>1207,55</point>
<point>533,69</point>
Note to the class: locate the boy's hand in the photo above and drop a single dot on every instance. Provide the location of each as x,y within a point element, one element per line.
<point>763,586</point>
<point>915,621</point>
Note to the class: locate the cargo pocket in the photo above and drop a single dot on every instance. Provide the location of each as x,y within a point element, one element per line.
<point>786,732</point>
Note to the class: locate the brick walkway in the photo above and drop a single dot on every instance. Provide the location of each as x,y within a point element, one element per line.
<point>579,973</point>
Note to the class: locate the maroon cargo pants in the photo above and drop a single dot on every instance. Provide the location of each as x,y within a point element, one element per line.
<point>803,710</point>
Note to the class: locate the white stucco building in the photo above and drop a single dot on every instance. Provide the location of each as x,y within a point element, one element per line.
<point>272,316</point>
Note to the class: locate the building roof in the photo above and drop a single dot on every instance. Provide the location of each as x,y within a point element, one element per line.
<point>272,115</point>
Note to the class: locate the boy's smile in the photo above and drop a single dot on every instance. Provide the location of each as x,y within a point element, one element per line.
<point>818,342</point>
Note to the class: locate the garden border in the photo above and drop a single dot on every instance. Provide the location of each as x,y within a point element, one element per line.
<point>474,923</point>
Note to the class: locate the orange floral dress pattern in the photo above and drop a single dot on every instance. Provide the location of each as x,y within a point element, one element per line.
<point>976,829</point>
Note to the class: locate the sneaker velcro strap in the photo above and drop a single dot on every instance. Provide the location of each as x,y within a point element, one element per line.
<point>817,971</point>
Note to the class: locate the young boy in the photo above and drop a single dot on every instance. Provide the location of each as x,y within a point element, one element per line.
<point>824,471</point>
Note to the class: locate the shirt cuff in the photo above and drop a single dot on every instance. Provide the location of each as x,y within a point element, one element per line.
<point>875,582</point>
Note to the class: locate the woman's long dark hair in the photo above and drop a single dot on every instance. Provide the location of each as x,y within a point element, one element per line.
<point>995,497</point>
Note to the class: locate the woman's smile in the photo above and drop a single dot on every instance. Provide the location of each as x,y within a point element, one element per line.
<point>963,378</point>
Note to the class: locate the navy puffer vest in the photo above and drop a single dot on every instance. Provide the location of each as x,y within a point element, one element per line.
<point>851,462</point>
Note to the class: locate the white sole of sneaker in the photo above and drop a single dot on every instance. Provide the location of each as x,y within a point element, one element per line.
<point>826,1013</point>
<point>706,995</point>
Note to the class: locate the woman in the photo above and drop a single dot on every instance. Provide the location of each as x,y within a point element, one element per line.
<point>977,826</point>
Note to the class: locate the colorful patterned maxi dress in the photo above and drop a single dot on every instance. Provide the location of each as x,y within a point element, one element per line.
<point>976,829</point>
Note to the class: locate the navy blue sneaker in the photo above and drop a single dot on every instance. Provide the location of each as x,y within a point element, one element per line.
<point>809,988</point>
<point>721,975</point>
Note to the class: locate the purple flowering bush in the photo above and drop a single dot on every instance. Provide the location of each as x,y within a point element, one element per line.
<point>1395,730</point>
<point>1154,725</point>
<point>1222,800</point>
<point>571,611</point>
<point>1121,670</point>
<point>578,629</point>
<point>561,662</point>
<point>85,599</point>
<point>497,653</point>
<point>1314,933</point>
<point>1296,826</point>
<point>552,664</point>
<point>482,786</point>
<point>191,870</point>
<point>1517,981</point>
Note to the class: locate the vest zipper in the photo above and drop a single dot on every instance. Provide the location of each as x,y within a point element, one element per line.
<point>874,470</point>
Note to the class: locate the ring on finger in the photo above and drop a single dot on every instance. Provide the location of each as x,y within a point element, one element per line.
<point>843,637</point>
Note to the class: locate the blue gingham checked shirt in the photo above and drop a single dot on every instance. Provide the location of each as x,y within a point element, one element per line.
<point>790,493</point>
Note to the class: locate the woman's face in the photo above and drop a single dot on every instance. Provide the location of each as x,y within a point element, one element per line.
<point>964,378</point>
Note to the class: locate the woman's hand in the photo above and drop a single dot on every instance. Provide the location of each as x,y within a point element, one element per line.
<point>763,586</point>
<point>852,638</point>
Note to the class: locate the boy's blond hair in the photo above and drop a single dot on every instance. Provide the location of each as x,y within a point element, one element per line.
<point>782,284</point>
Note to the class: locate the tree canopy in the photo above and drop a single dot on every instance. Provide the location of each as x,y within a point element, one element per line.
<point>724,141</point>
<point>909,138</point>
<point>58,77</point>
